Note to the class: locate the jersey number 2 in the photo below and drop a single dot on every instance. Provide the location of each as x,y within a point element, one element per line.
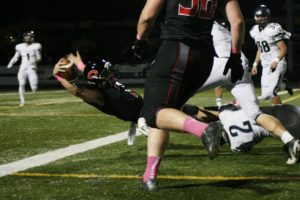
<point>204,8</point>
<point>246,129</point>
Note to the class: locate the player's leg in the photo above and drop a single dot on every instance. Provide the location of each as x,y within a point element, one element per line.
<point>156,138</point>
<point>22,77</point>
<point>245,94</point>
<point>33,79</point>
<point>219,95</point>
<point>168,87</point>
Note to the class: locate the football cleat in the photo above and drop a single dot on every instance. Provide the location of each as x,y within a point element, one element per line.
<point>211,138</point>
<point>150,185</point>
<point>289,90</point>
<point>142,126</point>
<point>287,87</point>
<point>293,149</point>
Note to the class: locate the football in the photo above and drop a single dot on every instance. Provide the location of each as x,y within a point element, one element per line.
<point>70,73</point>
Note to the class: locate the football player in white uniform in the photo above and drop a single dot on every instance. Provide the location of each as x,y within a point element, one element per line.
<point>244,92</point>
<point>242,133</point>
<point>30,52</point>
<point>271,50</point>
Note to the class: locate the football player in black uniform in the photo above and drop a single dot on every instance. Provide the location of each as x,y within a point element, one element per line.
<point>103,90</point>
<point>183,63</point>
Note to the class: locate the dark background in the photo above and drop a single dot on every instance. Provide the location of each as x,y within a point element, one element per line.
<point>104,28</point>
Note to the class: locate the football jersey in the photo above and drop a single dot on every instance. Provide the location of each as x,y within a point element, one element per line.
<point>241,130</point>
<point>266,40</point>
<point>188,19</point>
<point>119,101</point>
<point>29,53</point>
<point>221,40</point>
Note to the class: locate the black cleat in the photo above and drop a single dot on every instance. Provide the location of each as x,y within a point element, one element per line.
<point>150,185</point>
<point>289,90</point>
<point>287,87</point>
<point>293,149</point>
<point>211,138</point>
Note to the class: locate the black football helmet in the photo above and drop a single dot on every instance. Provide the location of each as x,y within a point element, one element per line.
<point>100,71</point>
<point>28,36</point>
<point>262,15</point>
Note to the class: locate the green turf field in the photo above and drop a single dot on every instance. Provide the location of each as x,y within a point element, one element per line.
<point>54,119</point>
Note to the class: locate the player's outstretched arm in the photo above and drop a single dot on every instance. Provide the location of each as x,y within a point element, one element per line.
<point>58,67</point>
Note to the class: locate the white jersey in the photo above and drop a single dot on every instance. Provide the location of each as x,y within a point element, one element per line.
<point>221,40</point>
<point>266,40</point>
<point>241,130</point>
<point>30,54</point>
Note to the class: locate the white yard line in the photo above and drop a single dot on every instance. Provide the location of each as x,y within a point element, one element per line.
<point>45,158</point>
<point>30,93</point>
<point>280,93</point>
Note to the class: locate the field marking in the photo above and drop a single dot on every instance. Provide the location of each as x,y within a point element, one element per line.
<point>279,93</point>
<point>30,93</point>
<point>167,177</point>
<point>291,99</point>
<point>45,158</point>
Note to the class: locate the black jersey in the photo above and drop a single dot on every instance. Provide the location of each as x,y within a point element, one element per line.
<point>119,101</point>
<point>188,19</point>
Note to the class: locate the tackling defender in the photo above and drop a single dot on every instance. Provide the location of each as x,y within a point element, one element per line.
<point>30,52</point>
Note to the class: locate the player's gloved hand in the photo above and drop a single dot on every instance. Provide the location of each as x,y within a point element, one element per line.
<point>235,64</point>
<point>139,48</point>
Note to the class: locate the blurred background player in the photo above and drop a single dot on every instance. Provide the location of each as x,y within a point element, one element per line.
<point>271,51</point>
<point>30,52</point>
<point>103,91</point>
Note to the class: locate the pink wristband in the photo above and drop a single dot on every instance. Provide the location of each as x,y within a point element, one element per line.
<point>80,66</point>
<point>235,50</point>
<point>58,78</point>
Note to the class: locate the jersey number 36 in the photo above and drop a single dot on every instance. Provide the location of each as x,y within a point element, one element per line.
<point>204,8</point>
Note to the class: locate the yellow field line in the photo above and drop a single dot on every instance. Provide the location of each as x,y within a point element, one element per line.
<point>203,178</point>
<point>291,99</point>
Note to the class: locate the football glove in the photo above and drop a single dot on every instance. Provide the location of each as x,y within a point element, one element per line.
<point>235,64</point>
<point>139,48</point>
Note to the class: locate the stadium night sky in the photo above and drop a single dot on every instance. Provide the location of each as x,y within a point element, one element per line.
<point>46,10</point>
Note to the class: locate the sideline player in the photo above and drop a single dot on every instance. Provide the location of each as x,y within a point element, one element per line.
<point>271,51</point>
<point>30,52</point>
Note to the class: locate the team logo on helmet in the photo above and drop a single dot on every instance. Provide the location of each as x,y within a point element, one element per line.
<point>100,71</point>
<point>92,74</point>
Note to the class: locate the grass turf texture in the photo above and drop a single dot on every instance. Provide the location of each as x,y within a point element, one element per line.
<point>55,119</point>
